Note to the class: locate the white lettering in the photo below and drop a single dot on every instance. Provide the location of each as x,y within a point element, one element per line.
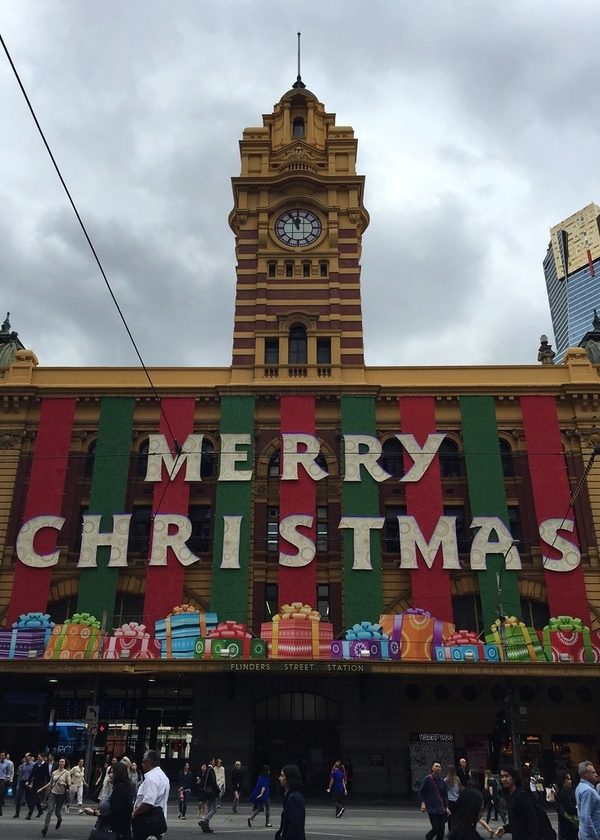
<point>92,539</point>
<point>159,454</point>
<point>230,457</point>
<point>26,537</point>
<point>171,530</point>
<point>362,527</point>
<point>482,545</point>
<point>571,556</point>
<point>362,450</point>
<point>444,537</point>
<point>288,529</point>
<point>293,457</point>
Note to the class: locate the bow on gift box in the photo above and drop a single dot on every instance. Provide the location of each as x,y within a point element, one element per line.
<point>33,620</point>
<point>366,630</point>
<point>462,637</point>
<point>230,630</point>
<point>184,608</point>
<point>132,630</point>
<point>297,610</point>
<point>84,618</point>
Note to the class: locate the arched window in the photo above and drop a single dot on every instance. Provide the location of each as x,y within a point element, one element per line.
<point>506,454</point>
<point>297,351</point>
<point>298,127</point>
<point>392,457</point>
<point>450,459</point>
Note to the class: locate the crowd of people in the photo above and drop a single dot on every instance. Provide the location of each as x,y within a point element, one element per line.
<point>460,799</point>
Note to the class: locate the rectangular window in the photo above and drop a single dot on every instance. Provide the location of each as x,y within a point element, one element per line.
<point>200,517</point>
<point>322,529</point>
<point>323,600</point>
<point>323,268</point>
<point>306,269</point>
<point>391,533</point>
<point>272,269</point>
<point>139,530</point>
<point>271,351</point>
<point>271,597</point>
<point>323,351</point>
<point>289,269</point>
<point>272,529</point>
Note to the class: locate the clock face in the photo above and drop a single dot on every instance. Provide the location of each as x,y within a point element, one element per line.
<point>298,228</point>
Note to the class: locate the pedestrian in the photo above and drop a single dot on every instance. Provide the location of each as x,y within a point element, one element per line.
<point>454,787</point>
<point>40,776</point>
<point>433,794</point>
<point>200,779</point>
<point>468,811</point>
<point>114,813</point>
<point>293,813</point>
<point>59,789</point>
<point>261,796</point>
<point>150,811</point>
<point>522,820</point>
<point>76,784</point>
<point>211,793</point>
<point>237,780</point>
<point>135,779</point>
<point>220,777</point>
<point>6,770</point>
<point>462,772</point>
<point>491,795</point>
<point>185,788</point>
<point>588,802</point>
<point>106,788</point>
<point>337,785</point>
<point>566,808</point>
<point>24,791</point>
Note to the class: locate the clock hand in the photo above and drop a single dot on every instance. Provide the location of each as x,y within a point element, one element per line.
<point>297,222</point>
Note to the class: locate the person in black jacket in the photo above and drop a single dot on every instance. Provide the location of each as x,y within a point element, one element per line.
<point>566,808</point>
<point>293,814</point>
<point>40,776</point>
<point>468,810</point>
<point>237,780</point>
<point>115,811</point>
<point>522,820</point>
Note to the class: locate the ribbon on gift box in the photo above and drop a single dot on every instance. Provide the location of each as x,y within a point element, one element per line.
<point>183,608</point>
<point>568,624</point>
<point>304,612</point>
<point>33,621</point>
<point>517,635</point>
<point>230,630</point>
<point>366,630</point>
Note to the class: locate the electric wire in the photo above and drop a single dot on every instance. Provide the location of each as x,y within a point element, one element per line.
<point>91,246</point>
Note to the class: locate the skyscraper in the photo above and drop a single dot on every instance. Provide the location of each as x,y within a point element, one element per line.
<point>572,272</point>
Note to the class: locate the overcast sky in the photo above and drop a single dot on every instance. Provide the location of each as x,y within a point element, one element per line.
<point>478,129</point>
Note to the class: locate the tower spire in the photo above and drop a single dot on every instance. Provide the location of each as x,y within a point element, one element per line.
<point>299,83</point>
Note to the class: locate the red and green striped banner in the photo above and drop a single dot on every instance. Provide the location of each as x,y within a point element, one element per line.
<point>552,500</point>
<point>164,584</point>
<point>363,598</point>
<point>230,581</point>
<point>98,586</point>
<point>424,501</point>
<point>487,497</point>
<point>31,586</point>
<point>298,496</point>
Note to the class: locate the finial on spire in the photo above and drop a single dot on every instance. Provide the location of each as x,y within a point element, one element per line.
<point>299,83</point>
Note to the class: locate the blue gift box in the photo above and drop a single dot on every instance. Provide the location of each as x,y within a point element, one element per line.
<point>178,632</point>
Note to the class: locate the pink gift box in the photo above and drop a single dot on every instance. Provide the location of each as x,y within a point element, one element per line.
<point>131,641</point>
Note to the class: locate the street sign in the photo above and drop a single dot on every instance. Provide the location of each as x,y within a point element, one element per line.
<point>91,714</point>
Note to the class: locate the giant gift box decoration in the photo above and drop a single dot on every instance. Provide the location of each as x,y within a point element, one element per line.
<point>230,640</point>
<point>177,633</point>
<point>567,639</point>
<point>365,641</point>
<point>418,632</point>
<point>466,646</point>
<point>131,641</point>
<point>77,638</point>
<point>297,632</point>
<point>519,642</point>
<point>28,637</point>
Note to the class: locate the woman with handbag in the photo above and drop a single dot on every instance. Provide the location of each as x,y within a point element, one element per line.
<point>59,789</point>
<point>114,812</point>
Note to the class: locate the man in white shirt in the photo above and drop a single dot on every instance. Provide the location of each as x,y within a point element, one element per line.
<point>154,790</point>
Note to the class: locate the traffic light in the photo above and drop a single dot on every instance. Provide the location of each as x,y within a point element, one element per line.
<point>102,733</point>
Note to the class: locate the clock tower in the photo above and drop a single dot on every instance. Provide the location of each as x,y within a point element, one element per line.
<point>298,219</point>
